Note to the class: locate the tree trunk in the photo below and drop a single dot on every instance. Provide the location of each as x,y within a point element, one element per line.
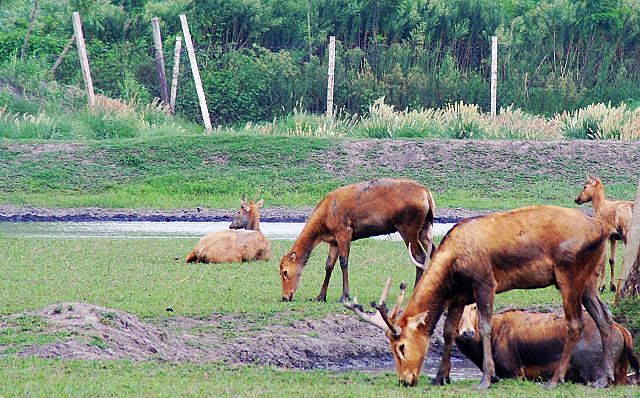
<point>30,28</point>
<point>631,286</point>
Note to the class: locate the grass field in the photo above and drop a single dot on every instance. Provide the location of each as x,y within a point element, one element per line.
<point>213,171</point>
<point>144,278</point>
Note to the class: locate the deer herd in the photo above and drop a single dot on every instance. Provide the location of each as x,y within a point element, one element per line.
<point>525,248</point>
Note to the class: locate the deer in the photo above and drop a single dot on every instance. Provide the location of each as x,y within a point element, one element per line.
<point>528,345</point>
<point>526,248</point>
<point>235,245</point>
<point>615,214</point>
<point>358,211</point>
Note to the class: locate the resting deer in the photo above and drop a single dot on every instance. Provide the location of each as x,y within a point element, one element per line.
<point>235,245</point>
<point>526,248</point>
<point>616,216</point>
<point>359,211</point>
<point>528,344</point>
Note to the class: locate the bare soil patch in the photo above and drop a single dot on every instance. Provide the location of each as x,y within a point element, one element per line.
<point>336,342</point>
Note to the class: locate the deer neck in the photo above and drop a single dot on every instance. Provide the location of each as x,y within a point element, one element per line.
<point>254,221</point>
<point>598,198</point>
<point>309,238</point>
<point>429,295</point>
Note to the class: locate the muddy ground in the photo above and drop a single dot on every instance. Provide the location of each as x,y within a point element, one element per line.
<point>335,342</point>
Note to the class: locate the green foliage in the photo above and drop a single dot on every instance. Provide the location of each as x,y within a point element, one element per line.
<point>554,56</point>
<point>627,312</point>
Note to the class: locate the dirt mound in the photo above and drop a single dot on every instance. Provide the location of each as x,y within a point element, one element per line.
<point>336,342</point>
<point>103,333</point>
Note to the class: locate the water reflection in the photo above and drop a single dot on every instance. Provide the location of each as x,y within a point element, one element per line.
<point>154,229</point>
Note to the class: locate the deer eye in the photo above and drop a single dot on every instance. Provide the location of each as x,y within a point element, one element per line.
<point>285,274</point>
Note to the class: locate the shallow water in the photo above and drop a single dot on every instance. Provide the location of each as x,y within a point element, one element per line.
<point>154,229</point>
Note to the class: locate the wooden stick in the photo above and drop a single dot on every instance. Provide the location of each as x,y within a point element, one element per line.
<point>176,72</point>
<point>32,19</point>
<point>162,77</point>
<point>84,61</point>
<point>64,52</point>
<point>196,73</point>
<point>330,75</point>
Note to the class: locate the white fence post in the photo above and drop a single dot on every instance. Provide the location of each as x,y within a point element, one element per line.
<point>195,72</point>
<point>331,74</point>
<point>494,74</point>
<point>84,61</point>
<point>176,72</point>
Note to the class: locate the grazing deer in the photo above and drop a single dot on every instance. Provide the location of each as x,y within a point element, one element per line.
<point>359,211</point>
<point>616,216</point>
<point>526,248</point>
<point>235,245</point>
<point>528,344</point>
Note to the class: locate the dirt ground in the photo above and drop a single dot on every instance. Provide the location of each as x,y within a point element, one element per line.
<point>336,342</point>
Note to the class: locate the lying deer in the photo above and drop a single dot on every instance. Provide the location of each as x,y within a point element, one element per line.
<point>528,345</point>
<point>359,211</point>
<point>615,214</point>
<point>235,245</point>
<point>526,248</point>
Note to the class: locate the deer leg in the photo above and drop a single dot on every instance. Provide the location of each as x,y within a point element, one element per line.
<point>328,269</point>
<point>612,264</point>
<point>484,300</point>
<point>344,245</point>
<point>450,330</point>
<point>573,315</point>
<point>598,310</point>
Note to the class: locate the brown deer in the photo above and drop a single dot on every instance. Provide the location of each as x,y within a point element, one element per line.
<point>616,216</point>
<point>528,345</point>
<point>526,248</point>
<point>235,245</point>
<point>359,211</point>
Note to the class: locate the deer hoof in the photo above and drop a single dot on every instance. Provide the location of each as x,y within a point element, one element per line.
<point>320,299</point>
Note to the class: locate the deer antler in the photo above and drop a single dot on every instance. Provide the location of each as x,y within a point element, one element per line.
<point>372,318</point>
<point>379,318</point>
<point>396,309</point>
<point>257,196</point>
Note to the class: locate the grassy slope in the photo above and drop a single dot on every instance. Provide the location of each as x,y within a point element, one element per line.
<point>143,277</point>
<point>213,171</point>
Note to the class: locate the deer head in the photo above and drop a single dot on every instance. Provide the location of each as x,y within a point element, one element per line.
<point>248,216</point>
<point>468,325</point>
<point>408,340</point>
<point>589,190</point>
<point>290,273</point>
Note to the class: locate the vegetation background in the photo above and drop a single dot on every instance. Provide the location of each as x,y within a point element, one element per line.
<point>259,60</point>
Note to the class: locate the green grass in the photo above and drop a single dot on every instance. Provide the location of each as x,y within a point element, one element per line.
<point>45,378</point>
<point>213,171</point>
<point>142,277</point>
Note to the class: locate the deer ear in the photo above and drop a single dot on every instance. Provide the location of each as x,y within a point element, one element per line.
<point>260,203</point>
<point>417,320</point>
<point>292,257</point>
